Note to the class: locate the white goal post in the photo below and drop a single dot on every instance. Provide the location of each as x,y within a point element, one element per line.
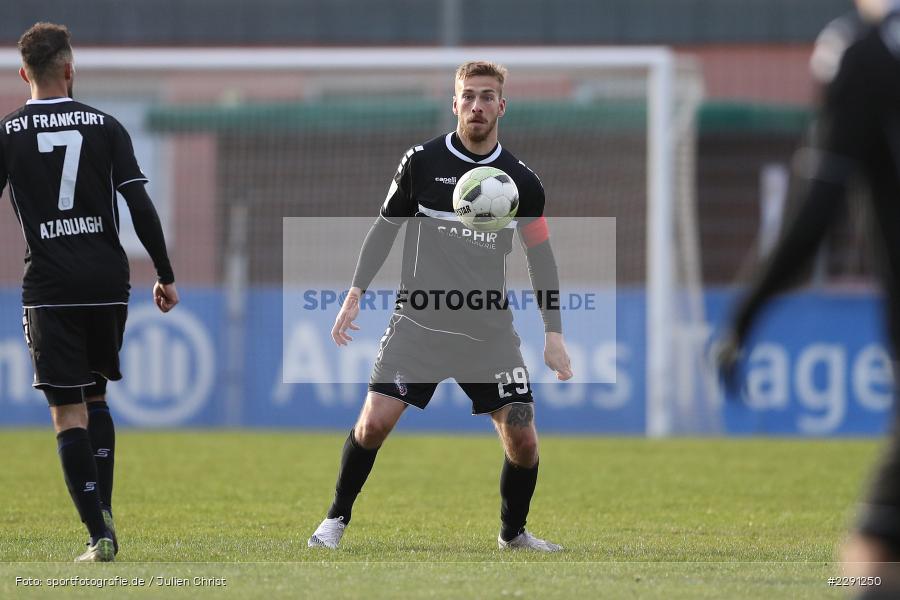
<point>679,395</point>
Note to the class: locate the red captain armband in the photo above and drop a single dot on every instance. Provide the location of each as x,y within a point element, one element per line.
<point>535,232</point>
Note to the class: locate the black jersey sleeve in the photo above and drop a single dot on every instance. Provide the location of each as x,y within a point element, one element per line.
<point>801,238</point>
<point>374,251</point>
<point>399,203</point>
<point>397,207</point>
<point>531,198</point>
<point>843,128</point>
<point>148,228</point>
<point>545,281</point>
<point>534,233</point>
<point>125,168</point>
<point>845,121</point>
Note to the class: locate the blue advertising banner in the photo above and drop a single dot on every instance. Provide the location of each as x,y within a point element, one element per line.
<point>171,365</point>
<point>818,366</point>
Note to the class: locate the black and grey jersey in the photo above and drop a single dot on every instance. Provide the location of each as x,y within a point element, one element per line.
<point>63,161</point>
<point>441,257</point>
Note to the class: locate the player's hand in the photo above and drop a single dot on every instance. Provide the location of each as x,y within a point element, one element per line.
<point>726,354</point>
<point>344,321</point>
<point>165,296</point>
<point>556,356</point>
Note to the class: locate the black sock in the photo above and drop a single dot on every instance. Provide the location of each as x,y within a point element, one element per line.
<point>516,489</point>
<point>81,477</point>
<point>356,464</point>
<point>103,440</point>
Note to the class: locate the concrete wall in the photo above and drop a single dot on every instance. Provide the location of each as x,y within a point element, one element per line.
<point>417,22</point>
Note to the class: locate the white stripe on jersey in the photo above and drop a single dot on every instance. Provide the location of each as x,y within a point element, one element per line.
<point>131,180</point>
<point>50,101</point>
<point>391,191</point>
<point>112,201</point>
<point>441,330</point>
<point>418,237</point>
<point>53,385</point>
<point>71,305</point>
<point>493,156</point>
<point>449,216</point>
<point>389,221</point>
<point>393,187</point>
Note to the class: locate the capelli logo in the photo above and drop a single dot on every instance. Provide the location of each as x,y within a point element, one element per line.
<point>447,180</point>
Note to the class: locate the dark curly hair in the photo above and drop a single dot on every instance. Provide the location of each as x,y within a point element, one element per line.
<point>45,48</point>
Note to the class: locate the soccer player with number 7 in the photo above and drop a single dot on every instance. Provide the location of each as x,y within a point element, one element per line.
<point>63,162</point>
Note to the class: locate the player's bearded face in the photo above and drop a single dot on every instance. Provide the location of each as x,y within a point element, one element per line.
<point>478,128</point>
<point>478,105</point>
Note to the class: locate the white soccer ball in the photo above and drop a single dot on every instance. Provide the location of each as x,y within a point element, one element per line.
<point>485,199</point>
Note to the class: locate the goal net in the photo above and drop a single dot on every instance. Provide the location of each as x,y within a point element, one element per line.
<point>237,140</point>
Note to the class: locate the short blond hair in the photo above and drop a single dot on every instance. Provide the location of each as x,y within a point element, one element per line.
<point>476,68</point>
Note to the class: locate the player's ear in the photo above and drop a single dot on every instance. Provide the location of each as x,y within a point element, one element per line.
<point>24,75</point>
<point>68,70</point>
<point>502,107</point>
<point>455,106</point>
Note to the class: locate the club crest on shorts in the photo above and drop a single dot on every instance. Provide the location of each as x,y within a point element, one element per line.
<point>400,383</point>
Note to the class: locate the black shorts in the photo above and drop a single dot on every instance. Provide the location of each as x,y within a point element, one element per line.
<point>71,346</point>
<point>412,360</point>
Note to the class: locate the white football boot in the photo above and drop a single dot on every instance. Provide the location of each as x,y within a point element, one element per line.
<point>328,534</point>
<point>102,551</point>
<point>526,541</point>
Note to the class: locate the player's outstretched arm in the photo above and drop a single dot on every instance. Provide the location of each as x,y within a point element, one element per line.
<point>374,252</point>
<point>545,282</point>
<point>790,257</point>
<point>794,251</point>
<point>845,129</point>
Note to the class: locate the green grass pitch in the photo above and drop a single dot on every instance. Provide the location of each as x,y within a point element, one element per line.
<point>681,518</point>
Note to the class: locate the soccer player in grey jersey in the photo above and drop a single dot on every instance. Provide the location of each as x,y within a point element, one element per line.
<point>480,349</point>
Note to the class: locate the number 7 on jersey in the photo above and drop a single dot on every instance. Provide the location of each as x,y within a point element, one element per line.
<point>71,139</point>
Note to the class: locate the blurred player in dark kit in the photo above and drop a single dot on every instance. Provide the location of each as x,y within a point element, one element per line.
<point>857,59</point>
